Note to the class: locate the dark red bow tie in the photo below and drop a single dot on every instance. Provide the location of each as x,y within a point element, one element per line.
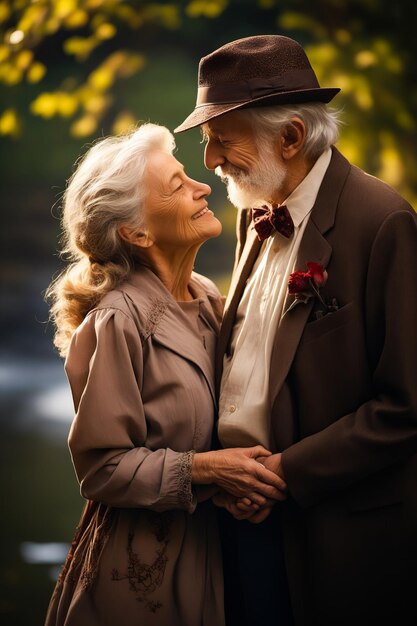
<point>266,219</point>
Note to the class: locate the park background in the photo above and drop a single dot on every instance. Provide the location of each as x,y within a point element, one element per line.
<point>75,70</point>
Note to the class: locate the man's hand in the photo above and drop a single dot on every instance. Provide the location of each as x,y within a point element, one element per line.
<point>273,462</point>
<point>242,509</point>
<point>227,501</point>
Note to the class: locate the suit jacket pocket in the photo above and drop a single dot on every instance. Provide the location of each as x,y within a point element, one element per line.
<point>328,323</point>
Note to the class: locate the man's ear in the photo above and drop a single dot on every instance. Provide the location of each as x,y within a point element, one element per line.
<point>292,138</point>
<point>135,237</point>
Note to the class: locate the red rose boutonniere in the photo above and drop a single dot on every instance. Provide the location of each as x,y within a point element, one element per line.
<point>307,285</point>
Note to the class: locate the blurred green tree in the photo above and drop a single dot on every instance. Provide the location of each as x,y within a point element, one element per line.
<point>367,47</point>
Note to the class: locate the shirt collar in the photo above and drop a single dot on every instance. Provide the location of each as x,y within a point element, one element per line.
<point>302,199</point>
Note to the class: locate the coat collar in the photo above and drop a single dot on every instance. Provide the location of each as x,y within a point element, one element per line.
<point>160,317</point>
<point>314,247</point>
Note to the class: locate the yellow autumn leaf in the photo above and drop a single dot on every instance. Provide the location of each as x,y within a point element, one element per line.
<point>365,58</point>
<point>116,60</point>
<point>101,79</point>
<point>105,31</point>
<point>10,74</point>
<point>4,53</point>
<point>63,8</point>
<point>44,105</point>
<point>76,19</point>
<point>33,15</point>
<point>9,123</point>
<point>52,25</point>
<point>24,59</point>
<point>66,104</point>
<point>36,72</point>
<point>84,126</point>
<point>4,11</point>
<point>80,47</point>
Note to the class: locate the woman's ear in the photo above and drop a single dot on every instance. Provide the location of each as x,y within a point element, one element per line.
<point>292,138</point>
<point>135,237</point>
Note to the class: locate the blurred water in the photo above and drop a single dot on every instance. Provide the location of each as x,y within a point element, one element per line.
<point>41,501</point>
<point>40,394</point>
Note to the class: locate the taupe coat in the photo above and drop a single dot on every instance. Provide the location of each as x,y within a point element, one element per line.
<point>143,386</point>
<point>344,406</point>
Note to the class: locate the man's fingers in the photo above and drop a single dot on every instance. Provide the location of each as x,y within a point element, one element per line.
<point>260,516</point>
<point>247,508</point>
<point>257,498</point>
<point>259,451</point>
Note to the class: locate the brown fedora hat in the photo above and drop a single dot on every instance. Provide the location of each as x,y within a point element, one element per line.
<point>251,72</point>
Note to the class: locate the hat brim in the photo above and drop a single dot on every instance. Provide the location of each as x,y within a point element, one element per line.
<point>205,113</point>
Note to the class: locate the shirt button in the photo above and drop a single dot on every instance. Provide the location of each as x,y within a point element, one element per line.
<point>232,408</point>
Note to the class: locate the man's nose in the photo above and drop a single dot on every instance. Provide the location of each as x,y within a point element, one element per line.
<point>213,156</point>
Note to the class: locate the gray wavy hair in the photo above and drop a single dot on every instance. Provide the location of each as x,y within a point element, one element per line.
<point>106,190</point>
<point>322,124</point>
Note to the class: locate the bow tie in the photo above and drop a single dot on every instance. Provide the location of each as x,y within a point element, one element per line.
<point>265,220</point>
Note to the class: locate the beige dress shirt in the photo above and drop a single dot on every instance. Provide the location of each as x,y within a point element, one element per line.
<point>244,406</point>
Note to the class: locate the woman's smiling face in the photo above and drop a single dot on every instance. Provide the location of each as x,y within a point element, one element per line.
<point>176,210</point>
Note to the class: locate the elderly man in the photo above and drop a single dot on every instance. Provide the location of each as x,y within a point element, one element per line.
<point>317,356</point>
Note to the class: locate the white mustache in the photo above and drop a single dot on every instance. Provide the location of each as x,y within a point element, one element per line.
<point>228,173</point>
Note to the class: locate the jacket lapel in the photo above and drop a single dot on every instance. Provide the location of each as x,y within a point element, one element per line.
<point>313,247</point>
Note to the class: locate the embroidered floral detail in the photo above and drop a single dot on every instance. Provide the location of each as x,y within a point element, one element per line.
<point>145,578</point>
<point>93,531</point>
<point>183,472</point>
<point>153,315</point>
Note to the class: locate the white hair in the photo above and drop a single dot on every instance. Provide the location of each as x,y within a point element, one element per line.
<point>322,124</point>
<point>106,190</point>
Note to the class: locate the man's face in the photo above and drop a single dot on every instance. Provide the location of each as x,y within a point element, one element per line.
<point>252,172</point>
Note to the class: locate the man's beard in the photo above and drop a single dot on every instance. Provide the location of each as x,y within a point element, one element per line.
<point>246,190</point>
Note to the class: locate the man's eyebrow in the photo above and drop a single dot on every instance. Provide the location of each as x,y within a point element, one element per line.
<point>207,133</point>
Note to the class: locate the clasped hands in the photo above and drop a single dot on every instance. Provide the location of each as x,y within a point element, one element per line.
<point>249,481</point>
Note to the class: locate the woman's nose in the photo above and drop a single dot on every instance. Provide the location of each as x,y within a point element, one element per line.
<point>202,190</point>
<point>213,156</point>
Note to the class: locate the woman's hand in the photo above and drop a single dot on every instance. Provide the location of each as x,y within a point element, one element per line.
<point>236,471</point>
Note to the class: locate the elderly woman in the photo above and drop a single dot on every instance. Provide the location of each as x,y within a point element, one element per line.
<point>138,330</point>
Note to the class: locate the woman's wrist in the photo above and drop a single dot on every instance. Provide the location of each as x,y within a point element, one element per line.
<point>201,469</point>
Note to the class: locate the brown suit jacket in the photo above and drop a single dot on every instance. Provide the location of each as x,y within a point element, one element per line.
<point>344,406</point>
